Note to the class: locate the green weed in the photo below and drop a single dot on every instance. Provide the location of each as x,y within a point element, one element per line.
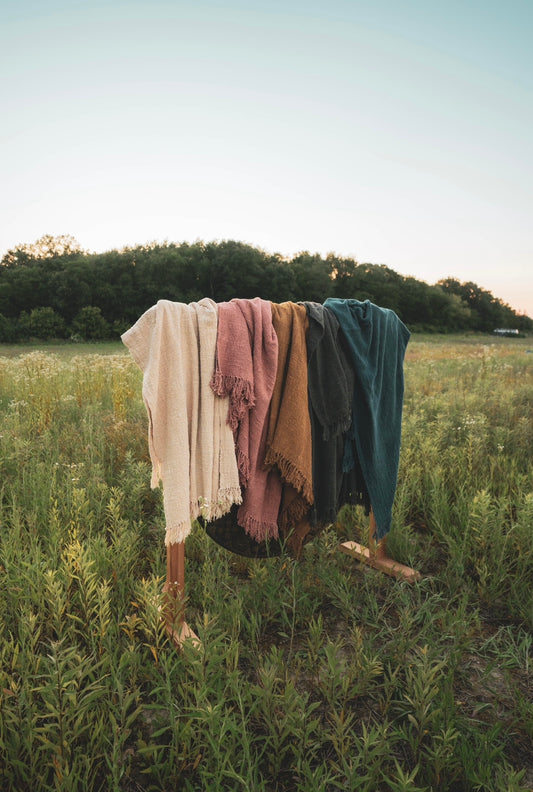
<point>317,674</point>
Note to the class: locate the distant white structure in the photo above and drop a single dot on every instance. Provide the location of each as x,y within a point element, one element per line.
<point>505,331</point>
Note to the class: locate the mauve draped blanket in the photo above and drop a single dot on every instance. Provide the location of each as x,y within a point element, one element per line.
<point>245,370</point>
<point>377,340</point>
<point>190,442</point>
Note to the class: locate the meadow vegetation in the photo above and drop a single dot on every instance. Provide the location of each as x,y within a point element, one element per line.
<point>317,674</point>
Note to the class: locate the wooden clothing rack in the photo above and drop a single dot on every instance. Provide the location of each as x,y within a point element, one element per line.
<point>157,338</point>
<point>375,555</point>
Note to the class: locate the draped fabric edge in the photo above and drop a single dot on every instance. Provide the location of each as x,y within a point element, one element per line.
<point>260,530</point>
<point>339,427</point>
<point>290,474</point>
<point>178,532</point>
<point>241,400</point>
<point>240,391</point>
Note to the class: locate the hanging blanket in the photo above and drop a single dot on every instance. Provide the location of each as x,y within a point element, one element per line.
<point>377,340</point>
<point>245,370</point>
<point>190,442</point>
<point>289,428</point>
<point>330,385</point>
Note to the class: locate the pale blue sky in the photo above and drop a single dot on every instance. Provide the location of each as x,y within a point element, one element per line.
<point>398,132</point>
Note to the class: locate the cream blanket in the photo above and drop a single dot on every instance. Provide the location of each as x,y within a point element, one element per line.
<point>191,444</point>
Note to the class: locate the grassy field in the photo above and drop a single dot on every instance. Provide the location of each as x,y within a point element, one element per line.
<point>320,674</point>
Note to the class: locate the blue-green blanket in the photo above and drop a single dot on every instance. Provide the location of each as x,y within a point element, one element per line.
<point>377,340</point>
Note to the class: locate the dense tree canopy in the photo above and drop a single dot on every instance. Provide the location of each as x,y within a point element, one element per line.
<point>97,295</point>
<point>47,247</point>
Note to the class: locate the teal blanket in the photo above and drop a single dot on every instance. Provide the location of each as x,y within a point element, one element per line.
<point>377,341</point>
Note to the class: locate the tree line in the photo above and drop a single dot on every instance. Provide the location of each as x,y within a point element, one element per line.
<point>54,289</point>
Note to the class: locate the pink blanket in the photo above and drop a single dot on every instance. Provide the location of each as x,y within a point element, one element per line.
<point>245,370</point>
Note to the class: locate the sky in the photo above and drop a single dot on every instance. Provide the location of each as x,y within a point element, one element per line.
<point>396,132</point>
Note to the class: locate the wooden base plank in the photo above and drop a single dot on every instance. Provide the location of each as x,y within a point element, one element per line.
<point>181,633</point>
<point>378,560</point>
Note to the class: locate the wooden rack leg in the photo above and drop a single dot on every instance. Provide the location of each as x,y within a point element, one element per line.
<point>174,590</point>
<point>375,555</point>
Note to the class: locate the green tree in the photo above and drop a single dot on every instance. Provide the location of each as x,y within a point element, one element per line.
<point>46,247</point>
<point>279,281</point>
<point>231,269</point>
<point>22,326</point>
<point>7,330</point>
<point>312,277</point>
<point>90,324</point>
<point>54,272</point>
<point>487,311</point>
<point>44,323</point>
<point>343,273</point>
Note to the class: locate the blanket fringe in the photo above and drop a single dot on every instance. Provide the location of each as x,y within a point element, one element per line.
<point>243,465</point>
<point>291,474</point>
<point>177,533</point>
<point>212,510</point>
<point>338,427</point>
<point>295,511</point>
<point>225,500</point>
<point>258,530</point>
<point>241,395</point>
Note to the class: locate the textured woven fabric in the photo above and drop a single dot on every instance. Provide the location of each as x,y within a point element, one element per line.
<point>330,386</point>
<point>245,370</point>
<point>376,340</point>
<point>190,442</point>
<point>289,429</point>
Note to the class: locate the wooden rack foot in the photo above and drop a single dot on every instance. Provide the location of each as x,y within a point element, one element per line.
<point>182,633</point>
<point>174,591</point>
<point>375,555</point>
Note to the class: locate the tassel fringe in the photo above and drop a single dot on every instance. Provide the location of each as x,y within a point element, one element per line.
<point>240,391</point>
<point>177,533</point>
<point>291,474</point>
<point>258,530</point>
<point>339,427</point>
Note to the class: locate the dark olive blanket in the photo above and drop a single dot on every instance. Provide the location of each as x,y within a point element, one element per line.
<point>330,389</point>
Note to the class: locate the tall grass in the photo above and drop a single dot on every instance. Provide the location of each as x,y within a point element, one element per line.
<point>320,674</point>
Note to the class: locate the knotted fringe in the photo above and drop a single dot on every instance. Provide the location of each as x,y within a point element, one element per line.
<point>292,514</point>
<point>241,400</point>
<point>339,427</point>
<point>209,511</point>
<point>177,533</point>
<point>260,531</point>
<point>243,466</point>
<point>241,395</point>
<point>291,474</point>
<point>212,511</point>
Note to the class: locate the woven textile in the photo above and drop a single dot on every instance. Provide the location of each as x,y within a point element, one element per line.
<point>376,340</point>
<point>245,370</point>
<point>289,430</point>
<point>330,385</point>
<point>190,442</point>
